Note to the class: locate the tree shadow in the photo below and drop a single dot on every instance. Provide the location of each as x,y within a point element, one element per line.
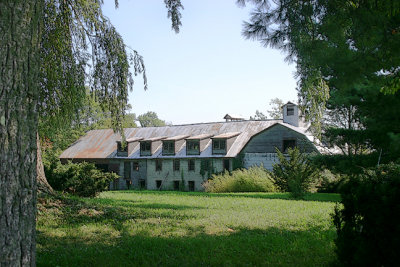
<point>236,247</point>
<point>75,212</point>
<point>322,197</point>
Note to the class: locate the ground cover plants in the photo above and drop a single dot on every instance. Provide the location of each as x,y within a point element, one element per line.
<point>152,228</point>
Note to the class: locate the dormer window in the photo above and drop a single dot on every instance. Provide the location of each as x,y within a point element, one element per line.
<point>219,146</point>
<point>145,148</point>
<point>193,147</point>
<point>122,151</point>
<point>168,148</point>
<point>290,111</point>
<point>221,143</point>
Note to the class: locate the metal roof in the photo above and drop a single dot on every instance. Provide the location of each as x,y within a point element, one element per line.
<point>152,139</point>
<point>177,137</point>
<point>134,139</point>
<point>200,137</point>
<point>97,144</point>
<point>226,135</point>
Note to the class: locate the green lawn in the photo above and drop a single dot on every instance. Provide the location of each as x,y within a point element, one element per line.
<point>147,228</point>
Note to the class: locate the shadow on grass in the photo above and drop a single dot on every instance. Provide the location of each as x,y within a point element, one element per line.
<point>74,212</point>
<point>238,247</point>
<point>323,197</point>
<point>102,233</point>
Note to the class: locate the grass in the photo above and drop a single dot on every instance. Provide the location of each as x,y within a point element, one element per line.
<point>148,228</point>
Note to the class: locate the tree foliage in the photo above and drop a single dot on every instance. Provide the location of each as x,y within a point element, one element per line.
<point>81,179</point>
<point>52,49</point>
<point>346,55</point>
<point>367,223</point>
<point>81,47</point>
<point>150,119</point>
<point>275,111</point>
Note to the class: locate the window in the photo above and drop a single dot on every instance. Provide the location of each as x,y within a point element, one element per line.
<point>219,144</point>
<point>191,185</point>
<point>127,170</point>
<point>193,145</point>
<point>168,148</point>
<point>177,164</point>
<point>290,111</point>
<point>176,185</point>
<point>120,149</point>
<point>226,164</point>
<point>291,143</point>
<point>158,184</point>
<point>136,166</point>
<point>145,148</point>
<point>158,164</point>
<point>191,164</point>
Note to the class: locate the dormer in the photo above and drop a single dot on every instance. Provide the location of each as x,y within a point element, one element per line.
<point>172,145</point>
<point>122,151</point>
<point>196,144</point>
<point>149,146</point>
<point>133,143</point>
<point>222,143</point>
<point>291,114</point>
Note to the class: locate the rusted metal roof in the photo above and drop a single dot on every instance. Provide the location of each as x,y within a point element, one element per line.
<point>97,144</point>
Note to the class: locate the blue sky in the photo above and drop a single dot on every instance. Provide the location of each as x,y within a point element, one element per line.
<point>205,71</point>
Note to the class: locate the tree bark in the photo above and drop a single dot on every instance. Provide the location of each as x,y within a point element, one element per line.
<point>20,27</point>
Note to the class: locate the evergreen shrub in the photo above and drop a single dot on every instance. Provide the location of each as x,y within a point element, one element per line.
<point>367,222</point>
<point>294,173</point>
<point>81,179</point>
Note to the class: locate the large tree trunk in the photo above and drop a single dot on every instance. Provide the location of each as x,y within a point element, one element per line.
<point>19,67</point>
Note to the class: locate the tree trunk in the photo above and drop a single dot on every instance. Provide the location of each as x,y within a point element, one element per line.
<point>20,26</point>
<point>42,184</point>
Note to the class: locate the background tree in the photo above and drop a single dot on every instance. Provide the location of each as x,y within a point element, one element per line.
<point>345,51</point>
<point>259,116</point>
<point>48,51</point>
<point>275,111</point>
<point>150,119</point>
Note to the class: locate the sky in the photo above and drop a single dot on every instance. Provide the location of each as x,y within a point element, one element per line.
<point>205,71</point>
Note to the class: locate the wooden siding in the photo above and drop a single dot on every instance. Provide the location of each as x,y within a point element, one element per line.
<point>266,141</point>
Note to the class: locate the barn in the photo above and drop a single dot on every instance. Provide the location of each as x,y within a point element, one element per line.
<point>176,156</point>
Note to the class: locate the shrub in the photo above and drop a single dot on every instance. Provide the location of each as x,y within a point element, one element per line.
<point>330,182</point>
<point>82,179</point>
<point>368,229</point>
<point>255,179</point>
<point>294,174</point>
